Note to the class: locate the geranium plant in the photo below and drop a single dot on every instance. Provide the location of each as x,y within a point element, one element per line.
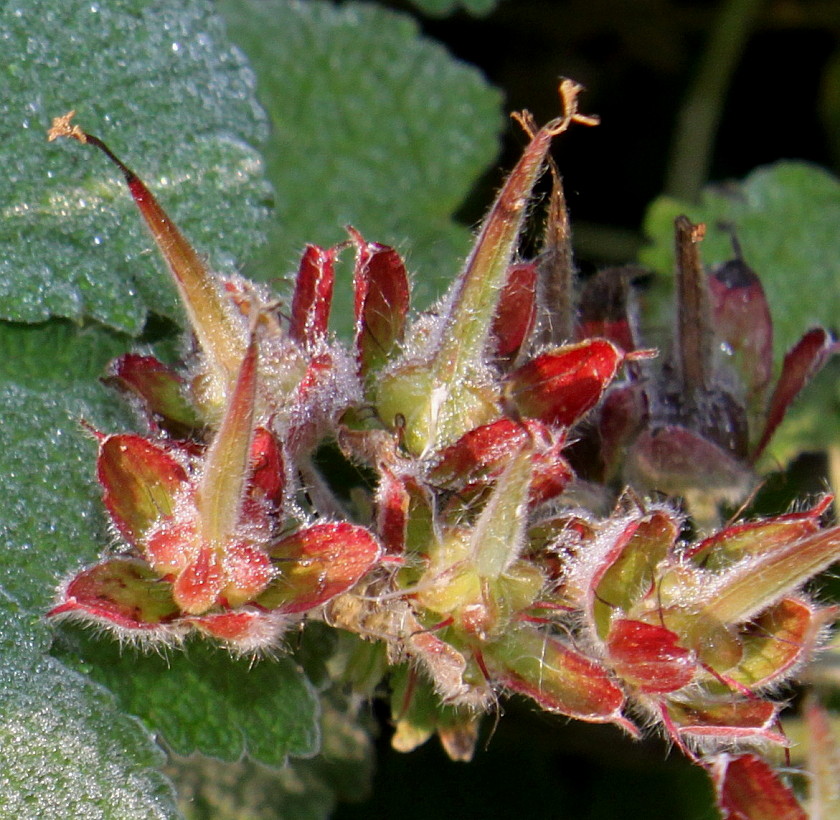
<point>475,564</point>
<point>510,494</point>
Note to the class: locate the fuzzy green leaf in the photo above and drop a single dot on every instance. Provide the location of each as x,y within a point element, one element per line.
<point>162,85</point>
<point>52,521</point>
<point>373,125</point>
<point>201,700</point>
<point>65,750</point>
<point>304,789</point>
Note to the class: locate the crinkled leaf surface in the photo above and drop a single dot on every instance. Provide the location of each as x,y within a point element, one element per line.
<point>201,700</point>
<point>372,125</point>
<point>161,83</point>
<point>52,521</point>
<point>304,789</point>
<point>65,749</point>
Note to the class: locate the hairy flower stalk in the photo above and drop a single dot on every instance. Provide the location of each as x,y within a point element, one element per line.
<point>473,558</point>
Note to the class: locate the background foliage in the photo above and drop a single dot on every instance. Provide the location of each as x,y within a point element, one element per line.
<point>263,125</point>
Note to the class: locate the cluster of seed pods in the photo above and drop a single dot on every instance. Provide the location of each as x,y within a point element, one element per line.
<point>494,551</point>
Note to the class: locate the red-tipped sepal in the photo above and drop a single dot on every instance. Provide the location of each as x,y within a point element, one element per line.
<point>124,594</point>
<point>317,563</point>
<point>381,300</point>
<point>747,788</point>
<point>557,677</point>
<point>159,389</point>
<point>313,296</point>
<point>559,386</point>
<point>141,481</point>
<point>801,364</point>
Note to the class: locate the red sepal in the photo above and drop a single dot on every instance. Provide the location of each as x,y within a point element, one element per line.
<point>558,387</point>
<point>380,284</point>
<point>312,298</point>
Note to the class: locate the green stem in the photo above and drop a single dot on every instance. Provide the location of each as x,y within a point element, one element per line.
<point>691,153</point>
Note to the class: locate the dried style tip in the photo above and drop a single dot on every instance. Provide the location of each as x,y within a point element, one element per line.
<point>61,127</point>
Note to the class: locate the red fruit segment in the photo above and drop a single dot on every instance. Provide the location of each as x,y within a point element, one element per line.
<point>140,481</point>
<point>313,296</point>
<point>318,563</point>
<point>171,546</point>
<point>558,387</point>
<point>649,656</point>
<point>122,592</point>
<point>748,789</point>
<point>381,301</point>
<point>801,364</point>
<point>247,572</point>
<point>516,311</point>
<point>245,631</point>
<point>159,388</point>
